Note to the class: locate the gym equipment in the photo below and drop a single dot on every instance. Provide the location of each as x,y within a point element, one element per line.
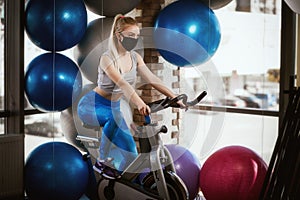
<point>55,170</point>
<point>189,37</point>
<point>282,178</point>
<point>232,172</point>
<point>55,25</point>
<point>52,82</point>
<point>111,8</point>
<point>161,182</point>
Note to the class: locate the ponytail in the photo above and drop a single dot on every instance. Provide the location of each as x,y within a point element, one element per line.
<point>119,24</point>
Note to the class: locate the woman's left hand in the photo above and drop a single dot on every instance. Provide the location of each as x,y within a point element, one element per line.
<point>182,105</point>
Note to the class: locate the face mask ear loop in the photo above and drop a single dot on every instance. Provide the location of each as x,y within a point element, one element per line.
<point>121,34</point>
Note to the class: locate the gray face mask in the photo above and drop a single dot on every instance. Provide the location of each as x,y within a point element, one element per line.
<point>129,43</point>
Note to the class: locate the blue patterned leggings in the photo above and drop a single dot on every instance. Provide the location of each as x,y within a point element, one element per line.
<point>117,140</point>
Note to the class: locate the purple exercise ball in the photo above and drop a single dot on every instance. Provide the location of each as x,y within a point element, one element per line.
<point>187,167</point>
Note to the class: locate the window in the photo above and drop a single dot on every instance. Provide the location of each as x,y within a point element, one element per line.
<point>248,57</point>
<point>242,80</point>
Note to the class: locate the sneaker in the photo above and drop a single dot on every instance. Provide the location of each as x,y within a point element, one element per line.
<point>106,169</point>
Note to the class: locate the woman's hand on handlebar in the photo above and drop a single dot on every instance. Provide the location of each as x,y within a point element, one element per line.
<point>144,109</point>
<point>182,105</point>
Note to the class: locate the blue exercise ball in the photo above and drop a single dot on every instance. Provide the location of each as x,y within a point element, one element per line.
<point>55,25</point>
<point>55,170</point>
<point>187,33</point>
<point>52,82</point>
<point>92,186</point>
<point>187,167</point>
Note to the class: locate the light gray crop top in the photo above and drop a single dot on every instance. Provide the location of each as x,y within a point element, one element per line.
<point>106,84</point>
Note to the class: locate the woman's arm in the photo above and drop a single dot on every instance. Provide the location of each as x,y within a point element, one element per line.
<point>150,78</point>
<point>108,67</point>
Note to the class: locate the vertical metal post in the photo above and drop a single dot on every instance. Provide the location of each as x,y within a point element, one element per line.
<point>287,68</point>
<point>14,93</point>
<point>14,65</point>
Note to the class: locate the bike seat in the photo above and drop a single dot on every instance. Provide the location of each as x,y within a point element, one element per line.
<point>90,140</point>
<point>94,127</point>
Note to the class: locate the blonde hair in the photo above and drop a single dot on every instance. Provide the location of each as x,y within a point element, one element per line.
<point>120,23</point>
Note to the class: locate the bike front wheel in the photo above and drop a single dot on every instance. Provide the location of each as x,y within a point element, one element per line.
<point>176,187</point>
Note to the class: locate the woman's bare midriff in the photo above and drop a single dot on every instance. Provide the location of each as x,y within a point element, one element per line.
<point>109,96</point>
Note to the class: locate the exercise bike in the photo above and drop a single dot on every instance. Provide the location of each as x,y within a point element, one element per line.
<point>161,180</point>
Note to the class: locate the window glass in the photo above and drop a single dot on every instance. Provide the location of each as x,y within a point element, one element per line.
<point>42,128</point>
<point>248,56</point>
<point>244,74</point>
<point>216,130</point>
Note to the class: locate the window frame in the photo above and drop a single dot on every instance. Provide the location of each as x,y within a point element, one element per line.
<point>13,67</point>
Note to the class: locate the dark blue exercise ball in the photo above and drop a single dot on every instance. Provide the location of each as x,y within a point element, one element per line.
<point>55,25</point>
<point>187,33</point>
<point>92,186</point>
<point>55,170</point>
<point>52,82</point>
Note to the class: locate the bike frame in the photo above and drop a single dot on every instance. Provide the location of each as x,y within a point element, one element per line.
<point>153,154</point>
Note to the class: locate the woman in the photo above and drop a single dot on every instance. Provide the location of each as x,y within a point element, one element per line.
<point>116,78</point>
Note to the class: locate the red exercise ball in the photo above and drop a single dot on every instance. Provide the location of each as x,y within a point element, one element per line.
<point>233,173</point>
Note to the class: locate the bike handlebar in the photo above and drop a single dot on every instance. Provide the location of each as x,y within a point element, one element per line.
<point>167,102</point>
